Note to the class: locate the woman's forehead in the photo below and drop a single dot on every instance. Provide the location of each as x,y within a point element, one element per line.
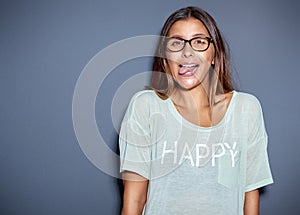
<point>187,28</point>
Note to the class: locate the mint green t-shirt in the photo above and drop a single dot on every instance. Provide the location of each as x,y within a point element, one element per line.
<point>193,169</point>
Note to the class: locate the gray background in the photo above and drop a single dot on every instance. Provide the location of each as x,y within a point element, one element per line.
<point>44,46</point>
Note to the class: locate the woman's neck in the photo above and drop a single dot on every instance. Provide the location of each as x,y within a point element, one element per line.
<point>195,106</point>
<point>197,97</point>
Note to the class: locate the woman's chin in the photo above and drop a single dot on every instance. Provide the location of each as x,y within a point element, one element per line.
<point>188,84</point>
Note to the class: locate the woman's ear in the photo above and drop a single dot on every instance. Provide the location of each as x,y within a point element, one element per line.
<point>213,62</point>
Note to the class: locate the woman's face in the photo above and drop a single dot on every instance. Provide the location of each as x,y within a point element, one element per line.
<point>188,67</point>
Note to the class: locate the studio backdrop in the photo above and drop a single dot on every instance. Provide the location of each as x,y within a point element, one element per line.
<point>67,72</point>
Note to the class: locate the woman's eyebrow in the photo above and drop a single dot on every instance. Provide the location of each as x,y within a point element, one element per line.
<point>194,35</point>
<point>176,36</point>
<point>200,35</point>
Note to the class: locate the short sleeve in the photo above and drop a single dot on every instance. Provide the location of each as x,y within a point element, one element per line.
<point>258,173</point>
<point>134,137</point>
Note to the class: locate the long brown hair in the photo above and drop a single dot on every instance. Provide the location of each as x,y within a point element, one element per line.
<point>162,82</point>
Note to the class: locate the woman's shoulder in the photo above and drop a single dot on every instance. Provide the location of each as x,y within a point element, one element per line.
<point>145,99</point>
<point>247,100</point>
<point>145,96</point>
<point>246,97</point>
<point>144,103</point>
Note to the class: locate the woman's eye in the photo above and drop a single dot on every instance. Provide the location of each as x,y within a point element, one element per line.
<point>176,43</point>
<point>200,41</point>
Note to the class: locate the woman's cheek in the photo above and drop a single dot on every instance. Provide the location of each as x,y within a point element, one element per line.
<point>174,69</point>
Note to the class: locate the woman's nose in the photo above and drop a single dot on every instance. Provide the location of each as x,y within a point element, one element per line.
<point>187,50</point>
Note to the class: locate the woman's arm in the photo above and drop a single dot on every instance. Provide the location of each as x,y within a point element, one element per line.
<point>251,205</point>
<point>135,193</point>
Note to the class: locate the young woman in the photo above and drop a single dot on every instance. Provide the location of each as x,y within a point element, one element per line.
<point>192,144</point>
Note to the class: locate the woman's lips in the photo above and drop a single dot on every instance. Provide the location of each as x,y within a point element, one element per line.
<point>187,70</point>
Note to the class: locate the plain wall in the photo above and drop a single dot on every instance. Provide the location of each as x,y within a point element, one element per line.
<point>44,46</point>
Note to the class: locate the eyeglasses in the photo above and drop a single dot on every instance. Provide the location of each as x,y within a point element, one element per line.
<point>176,44</point>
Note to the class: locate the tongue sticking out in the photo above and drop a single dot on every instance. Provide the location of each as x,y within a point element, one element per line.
<point>184,70</point>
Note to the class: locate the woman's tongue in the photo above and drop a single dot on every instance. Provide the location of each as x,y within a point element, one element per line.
<point>187,70</point>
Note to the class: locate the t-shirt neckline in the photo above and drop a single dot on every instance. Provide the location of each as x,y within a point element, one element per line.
<point>180,118</point>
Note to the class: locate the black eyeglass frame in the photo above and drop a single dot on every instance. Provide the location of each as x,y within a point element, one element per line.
<point>209,39</point>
